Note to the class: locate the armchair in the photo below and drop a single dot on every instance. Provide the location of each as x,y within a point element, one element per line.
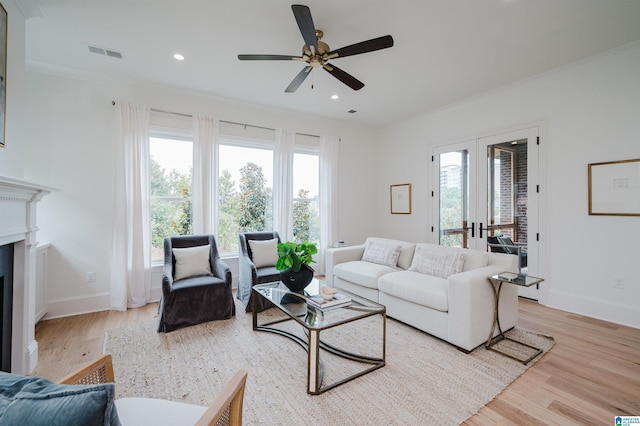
<point>256,268</point>
<point>196,283</point>
<point>226,408</point>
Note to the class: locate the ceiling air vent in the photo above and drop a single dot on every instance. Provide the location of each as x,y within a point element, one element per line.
<point>105,52</point>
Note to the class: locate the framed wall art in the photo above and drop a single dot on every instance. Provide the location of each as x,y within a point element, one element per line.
<point>614,188</point>
<point>3,73</point>
<point>401,199</point>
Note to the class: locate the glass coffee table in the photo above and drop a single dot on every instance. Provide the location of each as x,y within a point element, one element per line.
<point>313,321</point>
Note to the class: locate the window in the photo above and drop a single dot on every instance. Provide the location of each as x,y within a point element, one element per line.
<point>245,191</point>
<point>245,187</point>
<point>306,210</point>
<point>171,189</point>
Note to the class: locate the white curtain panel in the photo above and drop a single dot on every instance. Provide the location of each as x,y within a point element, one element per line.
<point>131,245</point>
<point>328,196</point>
<point>205,174</point>
<point>283,184</point>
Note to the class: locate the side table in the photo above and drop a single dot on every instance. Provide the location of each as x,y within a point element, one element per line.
<point>496,282</point>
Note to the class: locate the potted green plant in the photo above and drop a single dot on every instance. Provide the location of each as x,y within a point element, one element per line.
<point>294,261</point>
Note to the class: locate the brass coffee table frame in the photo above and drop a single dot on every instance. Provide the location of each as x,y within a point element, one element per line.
<point>312,344</point>
<point>496,282</point>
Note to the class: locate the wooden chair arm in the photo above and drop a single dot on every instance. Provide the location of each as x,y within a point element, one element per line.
<point>226,409</point>
<point>99,371</point>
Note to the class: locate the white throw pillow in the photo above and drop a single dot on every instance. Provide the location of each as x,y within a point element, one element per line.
<point>264,252</point>
<point>383,254</point>
<point>438,264</point>
<point>192,262</point>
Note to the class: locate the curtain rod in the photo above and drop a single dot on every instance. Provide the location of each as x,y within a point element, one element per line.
<point>223,121</point>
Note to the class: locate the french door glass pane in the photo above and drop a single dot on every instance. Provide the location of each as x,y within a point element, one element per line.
<point>454,198</point>
<point>501,191</point>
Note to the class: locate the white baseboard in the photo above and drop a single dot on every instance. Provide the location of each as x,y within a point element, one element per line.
<point>86,304</point>
<point>620,314</point>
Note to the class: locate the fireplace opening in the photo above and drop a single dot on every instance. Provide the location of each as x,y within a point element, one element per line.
<point>6,305</point>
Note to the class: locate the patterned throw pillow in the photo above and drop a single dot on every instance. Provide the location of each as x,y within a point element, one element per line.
<point>438,264</point>
<point>383,254</point>
<point>192,262</point>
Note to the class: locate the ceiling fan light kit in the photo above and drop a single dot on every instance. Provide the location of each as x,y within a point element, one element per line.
<point>317,53</point>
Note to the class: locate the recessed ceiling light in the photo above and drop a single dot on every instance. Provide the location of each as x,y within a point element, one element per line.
<point>178,57</point>
<point>334,97</point>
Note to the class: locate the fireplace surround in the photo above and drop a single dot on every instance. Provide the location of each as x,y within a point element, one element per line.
<point>18,201</point>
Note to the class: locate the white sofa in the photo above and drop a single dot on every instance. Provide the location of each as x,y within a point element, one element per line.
<point>457,306</point>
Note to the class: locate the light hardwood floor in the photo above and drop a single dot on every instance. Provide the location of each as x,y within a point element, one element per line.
<point>590,376</point>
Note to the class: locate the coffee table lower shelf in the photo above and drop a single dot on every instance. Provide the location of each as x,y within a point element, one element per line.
<point>312,344</point>
<point>315,371</point>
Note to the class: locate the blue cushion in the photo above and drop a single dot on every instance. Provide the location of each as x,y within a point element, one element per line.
<point>35,401</point>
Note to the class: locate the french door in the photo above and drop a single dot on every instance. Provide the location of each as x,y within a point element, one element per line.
<point>487,188</point>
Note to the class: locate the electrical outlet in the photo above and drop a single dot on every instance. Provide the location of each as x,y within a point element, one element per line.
<point>90,277</point>
<point>619,283</point>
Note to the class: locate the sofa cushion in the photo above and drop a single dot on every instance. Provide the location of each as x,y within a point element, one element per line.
<point>192,262</point>
<point>421,289</point>
<point>363,273</point>
<point>34,401</point>
<point>473,258</point>
<point>437,262</point>
<point>264,252</point>
<point>406,250</point>
<point>384,254</point>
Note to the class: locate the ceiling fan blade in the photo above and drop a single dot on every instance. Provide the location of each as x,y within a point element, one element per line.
<point>344,77</point>
<point>362,47</point>
<point>302,75</point>
<point>305,23</point>
<point>269,58</point>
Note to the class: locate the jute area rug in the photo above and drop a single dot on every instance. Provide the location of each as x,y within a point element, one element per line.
<point>425,380</point>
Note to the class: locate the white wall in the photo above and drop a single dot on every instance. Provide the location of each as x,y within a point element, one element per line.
<point>70,148</point>
<point>590,111</point>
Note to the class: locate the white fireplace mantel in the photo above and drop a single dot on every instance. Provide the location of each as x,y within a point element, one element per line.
<point>18,200</point>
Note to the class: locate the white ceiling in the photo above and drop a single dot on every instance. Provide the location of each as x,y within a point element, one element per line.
<point>445,50</point>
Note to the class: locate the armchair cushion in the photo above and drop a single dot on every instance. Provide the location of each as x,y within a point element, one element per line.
<point>157,412</point>
<point>36,401</point>
<point>264,252</point>
<point>191,262</point>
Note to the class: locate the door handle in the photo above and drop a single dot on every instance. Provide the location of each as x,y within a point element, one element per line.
<point>480,229</point>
